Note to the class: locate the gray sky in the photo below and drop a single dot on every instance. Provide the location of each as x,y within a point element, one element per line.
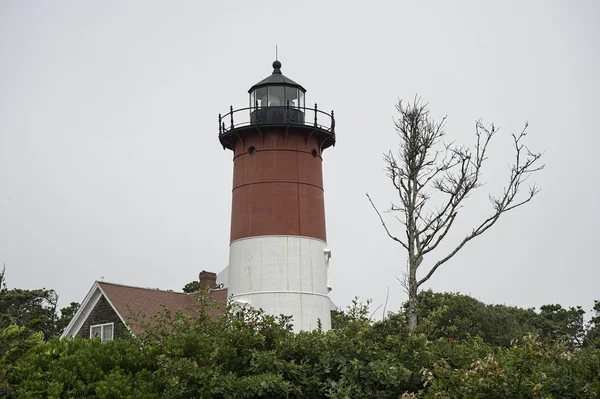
<point>110,164</point>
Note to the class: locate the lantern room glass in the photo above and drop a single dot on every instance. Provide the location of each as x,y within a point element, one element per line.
<point>260,98</point>
<point>291,96</point>
<point>276,96</point>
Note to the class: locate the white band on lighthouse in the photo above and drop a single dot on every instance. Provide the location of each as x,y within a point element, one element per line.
<point>282,275</point>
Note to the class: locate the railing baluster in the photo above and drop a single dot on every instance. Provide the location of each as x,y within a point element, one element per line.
<point>332,122</point>
<point>289,117</point>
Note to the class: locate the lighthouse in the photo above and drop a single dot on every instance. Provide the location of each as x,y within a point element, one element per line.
<point>278,253</point>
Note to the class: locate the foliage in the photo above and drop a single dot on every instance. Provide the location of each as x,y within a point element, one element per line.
<point>528,369</point>
<point>559,322</point>
<point>35,309</point>
<point>66,314</point>
<point>258,356</point>
<point>456,316</point>
<point>15,343</point>
<point>593,331</point>
<point>191,287</point>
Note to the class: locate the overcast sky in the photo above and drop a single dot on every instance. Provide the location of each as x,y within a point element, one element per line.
<point>110,164</point>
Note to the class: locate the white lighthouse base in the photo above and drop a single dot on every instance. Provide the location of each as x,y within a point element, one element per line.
<point>282,275</point>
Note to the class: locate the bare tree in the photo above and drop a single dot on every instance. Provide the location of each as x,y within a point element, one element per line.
<point>425,164</point>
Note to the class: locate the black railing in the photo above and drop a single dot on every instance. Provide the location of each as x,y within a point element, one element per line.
<point>277,115</point>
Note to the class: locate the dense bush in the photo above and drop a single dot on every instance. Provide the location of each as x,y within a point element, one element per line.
<point>458,353</point>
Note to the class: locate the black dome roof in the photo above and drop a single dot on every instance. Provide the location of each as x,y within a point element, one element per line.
<point>275,79</point>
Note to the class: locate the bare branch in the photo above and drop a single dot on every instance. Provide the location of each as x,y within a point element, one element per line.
<point>425,164</point>
<point>403,282</point>
<point>384,225</point>
<point>375,311</point>
<point>387,296</point>
<point>520,171</point>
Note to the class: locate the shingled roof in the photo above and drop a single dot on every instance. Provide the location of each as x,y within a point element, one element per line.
<point>146,302</point>
<point>136,304</point>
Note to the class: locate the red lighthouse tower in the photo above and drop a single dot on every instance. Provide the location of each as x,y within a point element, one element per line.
<point>279,258</point>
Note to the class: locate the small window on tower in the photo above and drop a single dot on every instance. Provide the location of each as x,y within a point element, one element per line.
<point>314,153</point>
<point>252,150</point>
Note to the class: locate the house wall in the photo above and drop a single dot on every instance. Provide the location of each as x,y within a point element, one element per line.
<point>101,314</point>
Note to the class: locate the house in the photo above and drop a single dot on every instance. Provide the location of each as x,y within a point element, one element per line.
<point>111,310</point>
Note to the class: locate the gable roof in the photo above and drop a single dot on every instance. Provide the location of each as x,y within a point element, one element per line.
<point>131,302</point>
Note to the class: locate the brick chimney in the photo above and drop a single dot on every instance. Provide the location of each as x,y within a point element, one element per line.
<point>208,280</point>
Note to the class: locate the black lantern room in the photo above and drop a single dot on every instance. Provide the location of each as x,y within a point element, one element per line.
<point>275,101</point>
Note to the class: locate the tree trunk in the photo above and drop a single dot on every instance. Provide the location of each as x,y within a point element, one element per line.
<point>412,298</point>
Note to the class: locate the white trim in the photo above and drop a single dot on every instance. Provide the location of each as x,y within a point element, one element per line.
<point>277,292</point>
<point>86,307</point>
<point>114,308</point>
<point>102,331</point>
<point>275,235</point>
<point>89,302</point>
